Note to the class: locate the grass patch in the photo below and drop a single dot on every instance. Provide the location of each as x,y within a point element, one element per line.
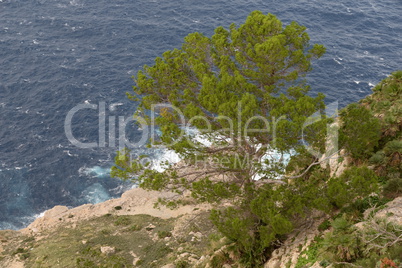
<point>80,246</point>
<point>309,256</point>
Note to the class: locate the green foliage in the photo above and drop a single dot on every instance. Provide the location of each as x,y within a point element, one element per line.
<point>311,253</point>
<point>20,250</point>
<point>220,259</point>
<point>356,182</point>
<point>106,231</point>
<point>324,225</point>
<point>182,264</point>
<point>206,190</point>
<point>377,240</point>
<point>242,79</point>
<point>163,234</point>
<point>248,239</point>
<point>356,208</point>
<point>91,258</point>
<point>360,131</point>
<point>122,220</point>
<point>258,223</point>
<point>386,102</point>
<point>135,227</point>
<point>343,243</point>
<point>393,147</point>
<point>393,188</point>
<point>65,246</point>
<point>156,252</point>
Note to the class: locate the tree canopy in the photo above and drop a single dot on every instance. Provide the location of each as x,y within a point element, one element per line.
<point>232,106</point>
<point>243,92</point>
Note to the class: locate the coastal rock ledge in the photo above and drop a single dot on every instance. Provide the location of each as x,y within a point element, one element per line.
<point>133,202</point>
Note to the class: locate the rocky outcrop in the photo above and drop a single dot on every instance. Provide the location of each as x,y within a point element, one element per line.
<point>298,241</point>
<point>133,202</point>
<point>392,212</point>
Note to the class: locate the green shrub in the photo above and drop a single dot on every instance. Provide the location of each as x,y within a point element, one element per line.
<point>182,264</point>
<point>92,258</point>
<point>356,182</point>
<point>378,158</point>
<point>356,209</point>
<point>122,220</point>
<point>393,188</point>
<point>220,259</point>
<point>392,147</point>
<point>378,239</point>
<point>360,131</point>
<point>163,234</point>
<point>311,253</point>
<point>342,244</point>
<point>324,225</point>
<point>19,250</point>
<point>134,228</point>
<point>106,231</point>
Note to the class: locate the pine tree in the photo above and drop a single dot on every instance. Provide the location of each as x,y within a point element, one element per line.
<point>223,104</point>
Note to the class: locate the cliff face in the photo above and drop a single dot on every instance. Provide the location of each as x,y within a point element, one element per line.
<point>302,247</point>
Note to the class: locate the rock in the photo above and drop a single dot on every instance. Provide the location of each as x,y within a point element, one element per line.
<point>84,242</point>
<point>288,254</point>
<point>14,264</point>
<point>192,260</point>
<point>273,263</point>
<point>54,212</point>
<point>135,258</point>
<point>316,265</point>
<point>108,250</point>
<point>138,200</point>
<point>359,225</point>
<point>184,255</point>
<point>197,234</point>
<point>150,227</point>
<point>392,212</point>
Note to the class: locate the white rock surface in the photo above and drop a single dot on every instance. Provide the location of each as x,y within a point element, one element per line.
<point>133,202</point>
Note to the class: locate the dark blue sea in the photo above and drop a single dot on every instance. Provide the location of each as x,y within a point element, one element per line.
<point>57,54</point>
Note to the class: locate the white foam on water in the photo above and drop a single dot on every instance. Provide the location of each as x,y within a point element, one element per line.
<point>95,194</point>
<point>113,106</point>
<point>337,60</point>
<point>168,157</point>
<point>275,158</point>
<point>39,215</point>
<point>165,157</point>
<point>95,171</point>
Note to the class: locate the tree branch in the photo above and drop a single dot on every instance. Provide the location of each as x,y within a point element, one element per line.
<point>310,166</point>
